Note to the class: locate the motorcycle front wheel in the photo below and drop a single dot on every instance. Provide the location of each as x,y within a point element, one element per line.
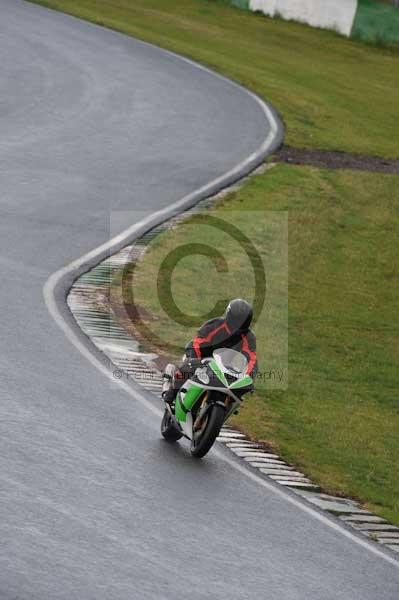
<point>203,441</point>
<point>169,429</point>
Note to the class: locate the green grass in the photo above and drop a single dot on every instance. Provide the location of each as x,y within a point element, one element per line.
<point>376,23</point>
<point>333,93</point>
<point>339,417</point>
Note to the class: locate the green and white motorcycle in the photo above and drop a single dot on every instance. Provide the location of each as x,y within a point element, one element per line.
<point>205,402</point>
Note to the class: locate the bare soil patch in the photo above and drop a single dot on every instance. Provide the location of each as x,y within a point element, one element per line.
<point>336,160</point>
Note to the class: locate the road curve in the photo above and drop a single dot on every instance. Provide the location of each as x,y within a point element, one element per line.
<point>93,505</point>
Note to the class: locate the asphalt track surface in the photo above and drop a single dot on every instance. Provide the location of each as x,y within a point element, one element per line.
<point>93,504</point>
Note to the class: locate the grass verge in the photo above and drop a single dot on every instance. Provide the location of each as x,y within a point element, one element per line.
<point>334,93</point>
<point>339,418</point>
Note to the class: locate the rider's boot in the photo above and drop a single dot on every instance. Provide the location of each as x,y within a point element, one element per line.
<point>168,391</point>
<point>169,396</point>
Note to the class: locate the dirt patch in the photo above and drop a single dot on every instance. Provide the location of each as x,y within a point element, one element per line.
<point>336,160</point>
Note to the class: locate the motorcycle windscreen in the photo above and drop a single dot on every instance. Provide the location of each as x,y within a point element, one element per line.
<point>231,361</point>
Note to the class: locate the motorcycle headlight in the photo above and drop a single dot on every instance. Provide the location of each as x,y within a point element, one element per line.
<point>202,376</point>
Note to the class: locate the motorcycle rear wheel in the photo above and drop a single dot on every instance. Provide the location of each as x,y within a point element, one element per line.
<point>169,429</point>
<point>214,423</point>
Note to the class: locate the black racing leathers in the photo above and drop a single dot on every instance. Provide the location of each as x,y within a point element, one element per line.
<point>212,335</point>
<point>215,334</point>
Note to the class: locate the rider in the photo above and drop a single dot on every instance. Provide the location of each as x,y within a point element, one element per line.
<point>230,331</point>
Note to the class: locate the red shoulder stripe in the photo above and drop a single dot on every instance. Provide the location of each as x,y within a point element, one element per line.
<point>198,340</point>
<point>251,353</point>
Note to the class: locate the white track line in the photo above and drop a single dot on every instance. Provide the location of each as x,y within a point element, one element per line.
<point>128,235</point>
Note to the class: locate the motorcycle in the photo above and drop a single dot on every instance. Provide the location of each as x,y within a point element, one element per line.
<point>206,400</point>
